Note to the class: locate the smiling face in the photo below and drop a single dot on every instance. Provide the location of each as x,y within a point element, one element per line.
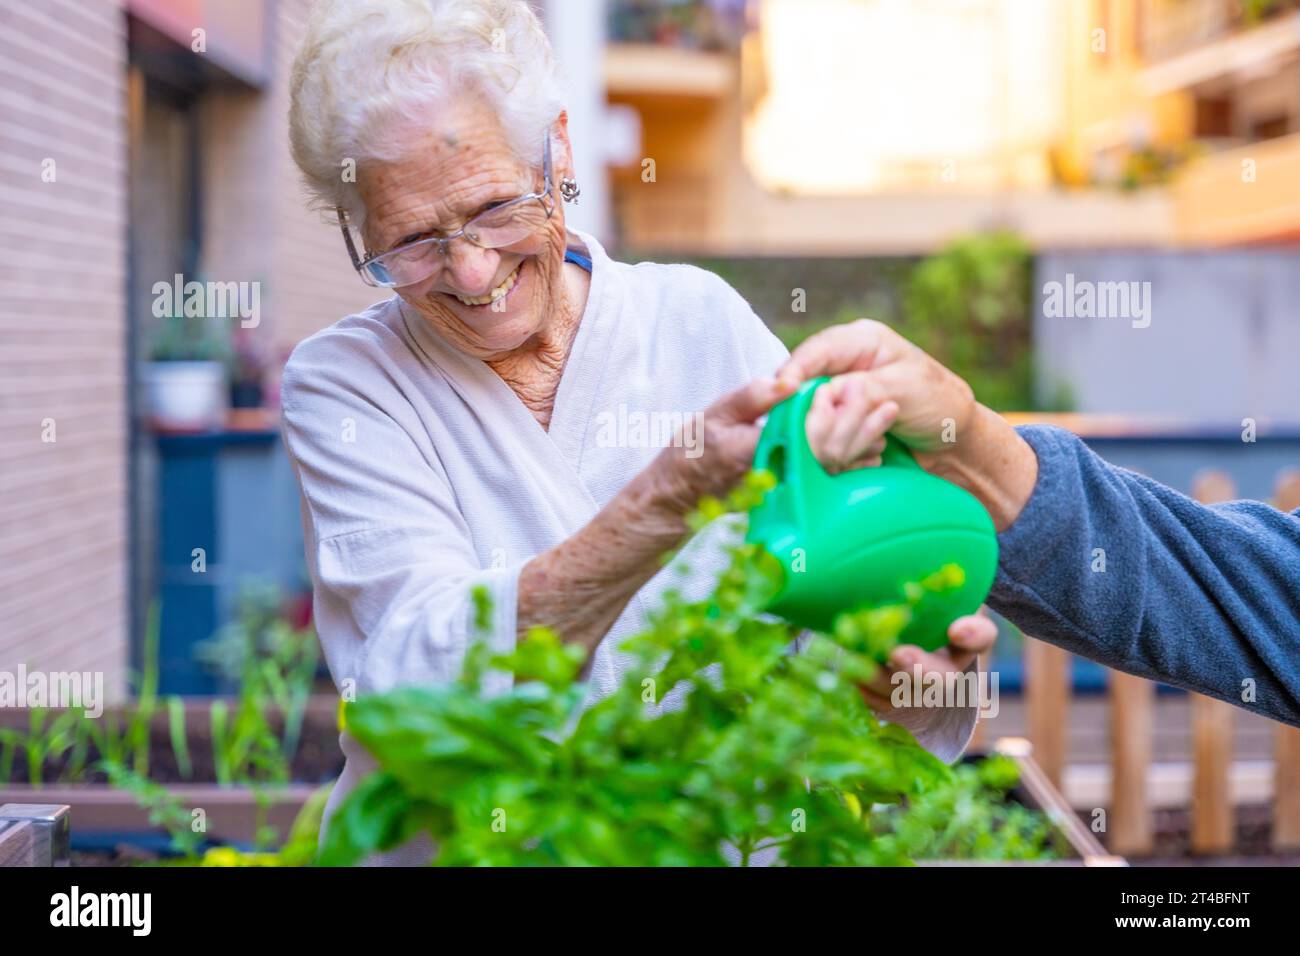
<point>452,172</point>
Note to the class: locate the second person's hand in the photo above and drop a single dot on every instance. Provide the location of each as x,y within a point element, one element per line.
<point>936,414</point>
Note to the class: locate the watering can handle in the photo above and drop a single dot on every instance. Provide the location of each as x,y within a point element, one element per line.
<point>783,447</point>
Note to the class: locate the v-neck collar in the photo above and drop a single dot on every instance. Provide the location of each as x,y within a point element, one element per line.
<point>579,383</point>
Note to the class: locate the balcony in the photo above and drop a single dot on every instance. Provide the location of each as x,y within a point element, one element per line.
<point>710,25</point>
<point>1247,194</point>
<point>1170,28</point>
<point>688,48</point>
<point>646,69</point>
<point>1194,42</point>
<point>1173,27</point>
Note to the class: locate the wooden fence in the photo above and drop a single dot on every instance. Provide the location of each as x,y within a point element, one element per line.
<point>1132,723</point>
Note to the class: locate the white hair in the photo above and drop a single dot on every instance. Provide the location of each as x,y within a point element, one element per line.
<point>364,65</point>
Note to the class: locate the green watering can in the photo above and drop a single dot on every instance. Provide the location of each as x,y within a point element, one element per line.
<point>858,538</point>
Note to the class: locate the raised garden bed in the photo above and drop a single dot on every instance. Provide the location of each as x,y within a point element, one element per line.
<point>316,759</point>
<point>111,824</point>
<point>776,756</point>
<point>103,816</point>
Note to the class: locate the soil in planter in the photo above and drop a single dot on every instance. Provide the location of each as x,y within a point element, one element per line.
<point>1252,842</point>
<point>318,758</point>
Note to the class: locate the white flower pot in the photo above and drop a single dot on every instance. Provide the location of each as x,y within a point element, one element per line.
<point>186,396</point>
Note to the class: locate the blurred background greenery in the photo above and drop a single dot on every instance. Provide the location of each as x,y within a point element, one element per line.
<point>969,305</point>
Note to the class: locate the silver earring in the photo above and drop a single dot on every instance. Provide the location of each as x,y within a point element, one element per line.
<point>569,190</point>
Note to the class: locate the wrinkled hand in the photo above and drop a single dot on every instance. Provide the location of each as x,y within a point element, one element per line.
<point>846,423</point>
<point>934,413</point>
<point>723,451</point>
<point>968,637</point>
<point>927,399</point>
<point>846,427</point>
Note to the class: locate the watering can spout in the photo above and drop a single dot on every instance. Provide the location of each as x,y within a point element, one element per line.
<point>866,537</point>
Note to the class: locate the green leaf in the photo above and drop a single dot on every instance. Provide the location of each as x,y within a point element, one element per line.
<point>377,815</point>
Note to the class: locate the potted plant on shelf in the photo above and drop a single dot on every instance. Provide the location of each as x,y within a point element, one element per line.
<point>185,379</point>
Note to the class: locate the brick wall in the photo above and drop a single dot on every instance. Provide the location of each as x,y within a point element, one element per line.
<point>63,527</point>
<point>63,504</point>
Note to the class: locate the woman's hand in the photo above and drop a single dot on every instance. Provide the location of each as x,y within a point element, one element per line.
<point>581,586</point>
<point>936,414</point>
<point>610,558</point>
<point>968,637</point>
<point>932,403</point>
<point>846,428</point>
<point>846,425</point>
<point>728,434</point>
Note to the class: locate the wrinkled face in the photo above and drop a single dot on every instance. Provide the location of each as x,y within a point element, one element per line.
<point>450,173</point>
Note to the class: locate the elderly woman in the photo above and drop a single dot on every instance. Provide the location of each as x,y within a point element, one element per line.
<point>450,436</point>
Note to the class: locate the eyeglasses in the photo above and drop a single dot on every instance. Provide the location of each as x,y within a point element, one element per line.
<point>494,228</point>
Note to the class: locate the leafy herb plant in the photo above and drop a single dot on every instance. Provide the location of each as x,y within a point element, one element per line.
<point>722,745</point>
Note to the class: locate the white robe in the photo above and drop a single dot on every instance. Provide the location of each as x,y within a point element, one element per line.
<point>424,475</point>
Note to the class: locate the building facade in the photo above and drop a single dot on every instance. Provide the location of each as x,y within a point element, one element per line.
<point>131,148</point>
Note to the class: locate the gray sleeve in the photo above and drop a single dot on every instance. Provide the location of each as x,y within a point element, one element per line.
<point>1118,568</point>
